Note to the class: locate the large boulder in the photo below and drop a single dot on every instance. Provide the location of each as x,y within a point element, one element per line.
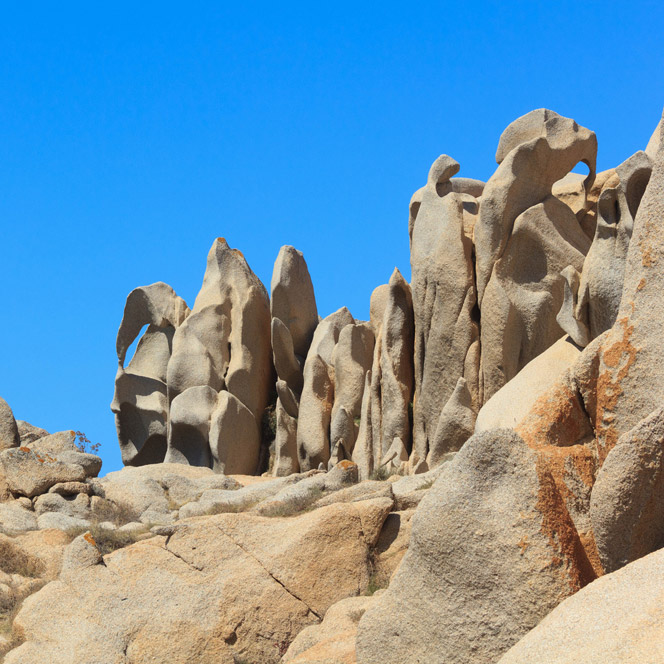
<point>292,298</point>
<point>627,500</point>
<point>617,619</point>
<point>492,551</point>
<point>251,584</point>
<point>513,401</point>
<point>29,474</point>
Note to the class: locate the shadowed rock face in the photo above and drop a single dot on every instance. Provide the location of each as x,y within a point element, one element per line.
<point>140,403</point>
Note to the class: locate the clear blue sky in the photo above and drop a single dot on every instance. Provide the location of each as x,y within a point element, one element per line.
<point>133,134</point>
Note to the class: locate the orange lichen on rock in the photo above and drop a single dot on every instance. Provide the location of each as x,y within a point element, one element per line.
<point>558,527</point>
<point>617,358</point>
<point>557,418</point>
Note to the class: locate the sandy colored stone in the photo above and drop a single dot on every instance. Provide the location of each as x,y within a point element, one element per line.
<point>9,435</point>
<point>617,619</point>
<point>189,426</point>
<point>627,498</point>
<point>443,293</point>
<point>251,585</point>
<point>29,473</point>
<point>313,442</point>
<point>234,437</point>
<point>455,425</point>
<point>592,298</point>
<point>492,548</point>
<point>29,433</point>
<point>292,298</point>
<point>333,640</point>
<point>139,403</point>
<point>514,400</point>
<point>285,443</point>
<point>526,290</point>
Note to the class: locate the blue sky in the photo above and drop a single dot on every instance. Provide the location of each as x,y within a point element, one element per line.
<point>133,134</point>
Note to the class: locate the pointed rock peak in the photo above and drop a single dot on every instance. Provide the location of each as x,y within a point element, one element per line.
<point>655,141</point>
<point>226,268</point>
<point>397,279</point>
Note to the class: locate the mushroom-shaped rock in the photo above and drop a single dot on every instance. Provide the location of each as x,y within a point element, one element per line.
<point>534,152</point>
<point>140,404</point>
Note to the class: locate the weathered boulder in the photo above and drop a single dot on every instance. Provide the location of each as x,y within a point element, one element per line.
<point>189,426</point>
<point>351,359</point>
<point>512,402</point>
<point>292,298</point>
<point>617,619</point>
<point>9,435</point>
<point>455,424</point>
<point>524,238</point>
<point>627,498</point>
<point>29,433</point>
<point>387,414</point>
<point>443,293</point>
<point>225,342</point>
<point>234,437</point>
<point>139,403</point>
<point>492,548</point>
<point>315,412</point>
<point>30,474</point>
<point>333,640</point>
<point>285,443</point>
<point>251,583</point>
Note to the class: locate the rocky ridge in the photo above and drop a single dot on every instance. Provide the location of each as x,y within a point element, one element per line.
<point>459,479</point>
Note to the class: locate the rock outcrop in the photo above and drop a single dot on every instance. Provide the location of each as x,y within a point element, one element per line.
<point>616,619</point>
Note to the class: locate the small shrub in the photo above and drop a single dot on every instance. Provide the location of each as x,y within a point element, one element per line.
<point>376,582</point>
<point>14,560</point>
<point>84,445</point>
<point>381,473</point>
